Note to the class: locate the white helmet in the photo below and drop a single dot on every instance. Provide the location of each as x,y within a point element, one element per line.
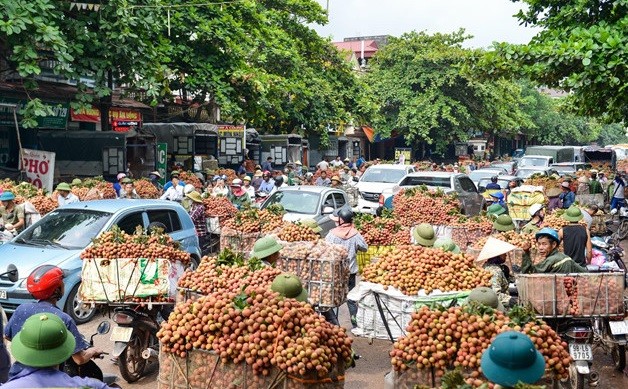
<point>188,188</point>
<point>534,208</point>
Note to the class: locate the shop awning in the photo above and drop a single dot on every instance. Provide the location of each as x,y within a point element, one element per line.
<point>376,137</point>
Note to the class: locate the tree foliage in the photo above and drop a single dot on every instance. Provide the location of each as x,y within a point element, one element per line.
<point>583,48</point>
<point>258,60</point>
<point>426,90</point>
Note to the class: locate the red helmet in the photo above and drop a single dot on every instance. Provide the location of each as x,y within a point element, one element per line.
<point>43,281</point>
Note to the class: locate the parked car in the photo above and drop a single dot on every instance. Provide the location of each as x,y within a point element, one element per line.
<point>570,167</point>
<point>531,161</point>
<point>478,174</point>
<point>510,166</point>
<point>309,202</point>
<point>60,237</point>
<point>472,202</point>
<point>374,180</point>
<point>526,172</point>
<point>502,181</point>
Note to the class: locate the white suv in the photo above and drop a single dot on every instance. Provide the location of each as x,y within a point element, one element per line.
<point>374,180</point>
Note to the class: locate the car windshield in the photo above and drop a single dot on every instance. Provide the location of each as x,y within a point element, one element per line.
<point>565,169</point>
<point>295,201</point>
<point>442,182</point>
<point>527,161</point>
<point>69,229</point>
<point>476,175</point>
<point>389,176</point>
<point>525,173</point>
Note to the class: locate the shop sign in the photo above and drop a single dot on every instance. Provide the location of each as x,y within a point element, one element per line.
<point>57,120</point>
<point>87,114</point>
<point>39,167</point>
<point>227,131</point>
<point>403,155</point>
<point>162,161</point>
<point>123,119</point>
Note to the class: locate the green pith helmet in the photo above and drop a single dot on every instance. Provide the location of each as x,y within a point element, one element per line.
<point>512,358</point>
<point>64,186</point>
<point>495,209</point>
<point>424,234</point>
<point>43,341</point>
<point>573,214</point>
<point>265,247</point>
<point>447,244</point>
<point>485,296</point>
<point>76,182</point>
<point>289,285</point>
<point>504,223</point>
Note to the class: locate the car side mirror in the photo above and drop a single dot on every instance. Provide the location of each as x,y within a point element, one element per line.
<point>327,210</point>
<point>356,178</point>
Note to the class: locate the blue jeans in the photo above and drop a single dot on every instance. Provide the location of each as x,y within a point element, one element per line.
<point>617,203</point>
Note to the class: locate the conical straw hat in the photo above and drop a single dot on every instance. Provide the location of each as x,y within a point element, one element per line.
<point>493,248</point>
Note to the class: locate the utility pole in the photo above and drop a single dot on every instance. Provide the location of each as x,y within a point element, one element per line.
<point>328,7</point>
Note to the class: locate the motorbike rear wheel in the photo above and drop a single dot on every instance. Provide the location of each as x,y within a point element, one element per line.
<point>576,380</point>
<point>618,354</point>
<point>131,363</point>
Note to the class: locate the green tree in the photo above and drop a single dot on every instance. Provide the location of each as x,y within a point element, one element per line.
<point>426,90</point>
<point>262,63</point>
<point>582,48</point>
<point>612,134</point>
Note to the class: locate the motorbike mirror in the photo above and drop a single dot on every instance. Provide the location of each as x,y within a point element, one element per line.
<point>12,273</point>
<point>103,327</point>
<point>328,210</point>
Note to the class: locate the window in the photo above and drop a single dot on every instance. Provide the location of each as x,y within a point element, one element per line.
<point>443,182</point>
<point>329,201</point>
<point>168,218</point>
<point>339,199</point>
<point>130,222</point>
<point>467,185</point>
<point>71,229</point>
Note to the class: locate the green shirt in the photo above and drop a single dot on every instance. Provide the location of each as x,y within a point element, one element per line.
<point>530,228</point>
<point>595,187</point>
<point>556,262</point>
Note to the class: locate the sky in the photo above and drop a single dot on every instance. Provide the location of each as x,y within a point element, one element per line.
<point>486,20</point>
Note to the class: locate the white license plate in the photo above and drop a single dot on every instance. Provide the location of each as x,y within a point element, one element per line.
<point>121,334</point>
<point>581,352</point>
<point>619,327</point>
<point>3,294</point>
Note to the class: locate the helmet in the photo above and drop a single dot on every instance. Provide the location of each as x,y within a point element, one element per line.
<point>43,281</point>
<point>188,188</point>
<point>120,176</point>
<point>548,232</point>
<point>346,215</point>
<point>534,208</point>
<point>278,181</point>
<point>494,179</point>
<point>498,195</point>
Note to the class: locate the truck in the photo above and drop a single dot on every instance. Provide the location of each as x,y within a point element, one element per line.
<point>600,156</point>
<point>544,156</point>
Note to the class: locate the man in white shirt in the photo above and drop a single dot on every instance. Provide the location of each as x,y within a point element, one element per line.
<point>337,162</point>
<point>65,194</point>
<point>323,165</point>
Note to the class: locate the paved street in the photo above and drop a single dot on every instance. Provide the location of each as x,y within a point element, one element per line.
<point>369,371</point>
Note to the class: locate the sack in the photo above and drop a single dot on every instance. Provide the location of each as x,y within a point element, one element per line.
<point>31,215</point>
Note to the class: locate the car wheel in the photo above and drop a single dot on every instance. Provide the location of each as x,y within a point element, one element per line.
<point>79,312</point>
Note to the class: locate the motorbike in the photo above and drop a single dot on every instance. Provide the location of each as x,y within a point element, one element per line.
<point>91,369</point>
<point>135,340</point>
<point>614,256</point>
<point>578,333</point>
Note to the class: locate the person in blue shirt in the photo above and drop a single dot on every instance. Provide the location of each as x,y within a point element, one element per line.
<point>40,347</point>
<point>174,174</point>
<point>45,284</point>
<point>268,164</point>
<point>493,184</point>
<point>361,161</point>
<point>118,185</point>
<point>567,197</point>
<point>267,184</point>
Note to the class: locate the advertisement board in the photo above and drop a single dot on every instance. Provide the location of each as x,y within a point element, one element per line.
<point>39,167</point>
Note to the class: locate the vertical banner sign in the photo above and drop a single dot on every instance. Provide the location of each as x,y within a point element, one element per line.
<point>39,167</point>
<point>162,161</point>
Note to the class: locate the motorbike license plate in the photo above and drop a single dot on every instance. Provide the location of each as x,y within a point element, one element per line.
<point>619,327</point>
<point>581,352</point>
<point>121,334</point>
<point>3,294</point>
